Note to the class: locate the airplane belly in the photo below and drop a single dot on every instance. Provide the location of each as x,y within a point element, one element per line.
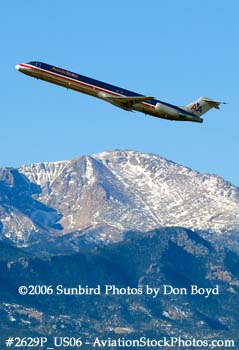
<point>140,107</point>
<point>176,117</point>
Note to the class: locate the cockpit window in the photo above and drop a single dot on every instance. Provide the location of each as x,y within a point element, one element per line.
<point>35,63</point>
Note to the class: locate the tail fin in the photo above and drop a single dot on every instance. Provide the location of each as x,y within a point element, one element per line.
<point>201,106</point>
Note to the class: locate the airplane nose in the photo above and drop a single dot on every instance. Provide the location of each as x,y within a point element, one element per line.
<point>17,66</point>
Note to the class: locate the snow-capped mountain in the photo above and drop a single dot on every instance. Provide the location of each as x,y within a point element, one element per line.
<point>112,192</point>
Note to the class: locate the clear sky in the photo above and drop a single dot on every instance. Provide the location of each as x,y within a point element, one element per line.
<point>176,51</point>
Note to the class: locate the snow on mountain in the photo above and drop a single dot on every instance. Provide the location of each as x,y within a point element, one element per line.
<point>121,190</point>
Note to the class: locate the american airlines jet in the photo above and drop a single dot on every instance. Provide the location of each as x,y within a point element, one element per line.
<point>122,98</point>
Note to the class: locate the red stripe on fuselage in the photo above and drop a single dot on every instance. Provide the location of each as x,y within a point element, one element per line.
<point>94,87</point>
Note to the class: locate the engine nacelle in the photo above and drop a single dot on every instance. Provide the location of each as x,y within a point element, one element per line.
<point>166,110</point>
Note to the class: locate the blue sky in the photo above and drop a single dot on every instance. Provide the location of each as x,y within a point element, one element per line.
<point>176,51</point>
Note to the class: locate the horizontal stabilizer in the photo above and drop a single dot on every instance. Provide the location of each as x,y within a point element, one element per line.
<point>213,103</point>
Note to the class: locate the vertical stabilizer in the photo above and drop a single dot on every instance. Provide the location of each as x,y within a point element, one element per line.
<point>201,106</point>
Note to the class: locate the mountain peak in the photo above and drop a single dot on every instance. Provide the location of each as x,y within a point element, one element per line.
<point>120,189</point>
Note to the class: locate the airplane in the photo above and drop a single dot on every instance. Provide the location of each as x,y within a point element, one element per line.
<point>122,98</point>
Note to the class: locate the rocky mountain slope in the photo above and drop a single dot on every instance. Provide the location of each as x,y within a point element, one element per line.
<point>112,191</point>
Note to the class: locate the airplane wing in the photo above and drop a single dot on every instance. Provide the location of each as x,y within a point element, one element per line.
<point>127,102</point>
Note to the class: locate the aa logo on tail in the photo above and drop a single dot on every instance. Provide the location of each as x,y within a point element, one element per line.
<point>196,107</point>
